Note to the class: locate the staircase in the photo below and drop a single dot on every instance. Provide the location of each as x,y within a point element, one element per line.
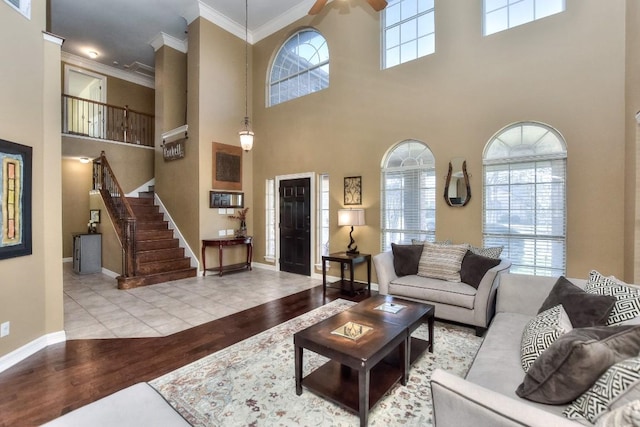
<point>157,253</point>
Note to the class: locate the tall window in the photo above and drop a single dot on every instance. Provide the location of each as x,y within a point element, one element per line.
<point>408,194</point>
<point>270,219</point>
<point>501,15</point>
<point>300,67</point>
<point>323,217</point>
<point>408,31</point>
<point>525,197</point>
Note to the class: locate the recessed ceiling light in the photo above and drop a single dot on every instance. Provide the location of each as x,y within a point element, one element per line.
<point>84,160</point>
<point>92,54</point>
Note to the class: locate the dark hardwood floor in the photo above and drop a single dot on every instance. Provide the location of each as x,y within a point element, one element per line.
<point>65,376</point>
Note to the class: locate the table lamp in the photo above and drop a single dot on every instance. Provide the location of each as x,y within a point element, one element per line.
<point>351,217</point>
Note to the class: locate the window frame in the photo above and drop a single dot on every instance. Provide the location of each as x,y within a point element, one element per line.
<point>270,220</point>
<point>399,24</point>
<point>24,7</point>
<point>425,210</point>
<point>324,230</point>
<point>306,71</point>
<point>509,7</point>
<point>539,257</point>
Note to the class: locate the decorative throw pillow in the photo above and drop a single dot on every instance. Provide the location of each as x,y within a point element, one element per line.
<point>488,252</point>
<point>441,261</point>
<point>626,415</point>
<point>474,267</point>
<point>541,332</point>
<point>614,385</point>
<point>575,361</point>
<point>406,259</point>
<point>627,304</point>
<point>584,309</point>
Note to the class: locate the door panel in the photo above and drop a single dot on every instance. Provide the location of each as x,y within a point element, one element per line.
<point>295,226</point>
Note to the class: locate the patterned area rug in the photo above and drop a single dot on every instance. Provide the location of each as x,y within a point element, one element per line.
<point>252,383</point>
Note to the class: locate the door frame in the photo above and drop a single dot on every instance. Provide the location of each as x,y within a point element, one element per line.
<point>68,69</point>
<point>312,207</point>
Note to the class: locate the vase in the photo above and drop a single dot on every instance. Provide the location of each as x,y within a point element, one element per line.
<point>242,231</point>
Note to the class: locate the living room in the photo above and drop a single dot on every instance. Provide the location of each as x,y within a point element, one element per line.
<point>575,71</point>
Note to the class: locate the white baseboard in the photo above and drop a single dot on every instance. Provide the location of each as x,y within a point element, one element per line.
<point>67,259</point>
<point>28,349</point>
<point>109,273</point>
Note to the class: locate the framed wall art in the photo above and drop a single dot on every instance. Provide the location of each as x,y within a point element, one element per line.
<point>227,167</point>
<point>15,199</point>
<point>353,190</point>
<point>94,215</point>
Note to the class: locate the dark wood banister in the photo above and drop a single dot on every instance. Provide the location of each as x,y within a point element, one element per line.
<point>119,210</point>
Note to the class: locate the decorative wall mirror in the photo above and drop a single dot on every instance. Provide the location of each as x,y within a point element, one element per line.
<point>226,199</point>
<point>457,189</point>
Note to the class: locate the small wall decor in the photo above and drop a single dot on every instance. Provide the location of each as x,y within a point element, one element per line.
<point>15,199</point>
<point>174,143</point>
<point>353,190</point>
<point>227,167</point>
<point>94,215</point>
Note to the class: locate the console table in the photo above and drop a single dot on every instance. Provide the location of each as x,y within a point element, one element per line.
<point>223,242</point>
<point>351,260</point>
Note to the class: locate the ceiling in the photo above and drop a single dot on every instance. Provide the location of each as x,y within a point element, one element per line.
<point>121,31</point>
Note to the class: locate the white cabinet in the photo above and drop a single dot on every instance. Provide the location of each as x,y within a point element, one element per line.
<point>87,253</point>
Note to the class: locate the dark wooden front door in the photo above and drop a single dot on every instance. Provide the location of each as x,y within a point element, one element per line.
<point>295,226</point>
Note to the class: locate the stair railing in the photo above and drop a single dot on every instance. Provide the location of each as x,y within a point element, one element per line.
<point>104,180</point>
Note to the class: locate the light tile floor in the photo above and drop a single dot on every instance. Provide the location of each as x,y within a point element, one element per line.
<point>95,308</point>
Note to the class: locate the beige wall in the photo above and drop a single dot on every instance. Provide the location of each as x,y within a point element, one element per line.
<point>566,70</point>
<point>31,288</point>
<point>215,109</point>
<point>171,89</point>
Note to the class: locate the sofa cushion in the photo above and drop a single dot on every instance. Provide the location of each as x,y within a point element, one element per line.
<point>575,360</point>
<point>474,267</point>
<point>406,258</point>
<point>584,309</point>
<point>540,332</point>
<point>619,385</point>
<point>434,290</point>
<point>494,252</point>
<point>442,261</point>
<point>626,415</point>
<point>627,304</point>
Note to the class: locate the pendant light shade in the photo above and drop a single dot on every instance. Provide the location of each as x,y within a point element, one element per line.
<point>246,134</point>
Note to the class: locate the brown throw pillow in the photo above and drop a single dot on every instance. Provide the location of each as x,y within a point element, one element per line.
<point>474,267</point>
<point>584,309</point>
<point>575,360</point>
<point>406,259</point>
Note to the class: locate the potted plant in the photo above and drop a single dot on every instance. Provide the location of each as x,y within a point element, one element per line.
<point>242,216</point>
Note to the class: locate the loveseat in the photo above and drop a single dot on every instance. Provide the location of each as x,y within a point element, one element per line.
<point>487,395</point>
<point>454,301</point>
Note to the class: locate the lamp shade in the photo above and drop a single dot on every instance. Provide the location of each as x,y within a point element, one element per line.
<point>351,217</point>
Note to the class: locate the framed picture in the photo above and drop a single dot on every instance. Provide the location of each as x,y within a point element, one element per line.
<point>227,167</point>
<point>15,199</point>
<point>94,215</point>
<point>353,190</point>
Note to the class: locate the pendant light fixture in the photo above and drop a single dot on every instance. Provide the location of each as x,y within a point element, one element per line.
<point>246,134</point>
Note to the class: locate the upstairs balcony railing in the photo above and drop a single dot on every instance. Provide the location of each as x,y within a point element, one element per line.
<point>98,120</point>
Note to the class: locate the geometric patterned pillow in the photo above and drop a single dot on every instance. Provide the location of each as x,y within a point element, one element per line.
<point>618,380</point>
<point>487,252</point>
<point>627,304</point>
<point>541,332</point>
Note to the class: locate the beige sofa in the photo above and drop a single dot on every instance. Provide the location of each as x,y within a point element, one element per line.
<point>455,301</point>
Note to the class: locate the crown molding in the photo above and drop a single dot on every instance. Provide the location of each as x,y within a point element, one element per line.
<point>202,10</point>
<point>78,61</point>
<point>289,17</point>
<point>50,37</point>
<point>164,39</point>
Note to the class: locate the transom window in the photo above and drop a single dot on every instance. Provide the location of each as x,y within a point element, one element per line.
<point>408,31</point>
<point>525,197</point>
<point>408,194</point>
<point>500,15</point>
<point>300,67</point>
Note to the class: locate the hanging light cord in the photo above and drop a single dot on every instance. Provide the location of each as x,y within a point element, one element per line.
<point>246,62</point>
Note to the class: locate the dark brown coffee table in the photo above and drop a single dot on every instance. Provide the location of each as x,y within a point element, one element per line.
<point>361,371</point>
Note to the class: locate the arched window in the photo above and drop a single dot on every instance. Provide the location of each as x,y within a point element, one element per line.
<point>525,197</point>
<point>301,67</point>
<point>408,194</point>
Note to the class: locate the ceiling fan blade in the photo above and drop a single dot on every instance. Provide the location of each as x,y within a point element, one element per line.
<point>317,7</point>
<point>378,5</point>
